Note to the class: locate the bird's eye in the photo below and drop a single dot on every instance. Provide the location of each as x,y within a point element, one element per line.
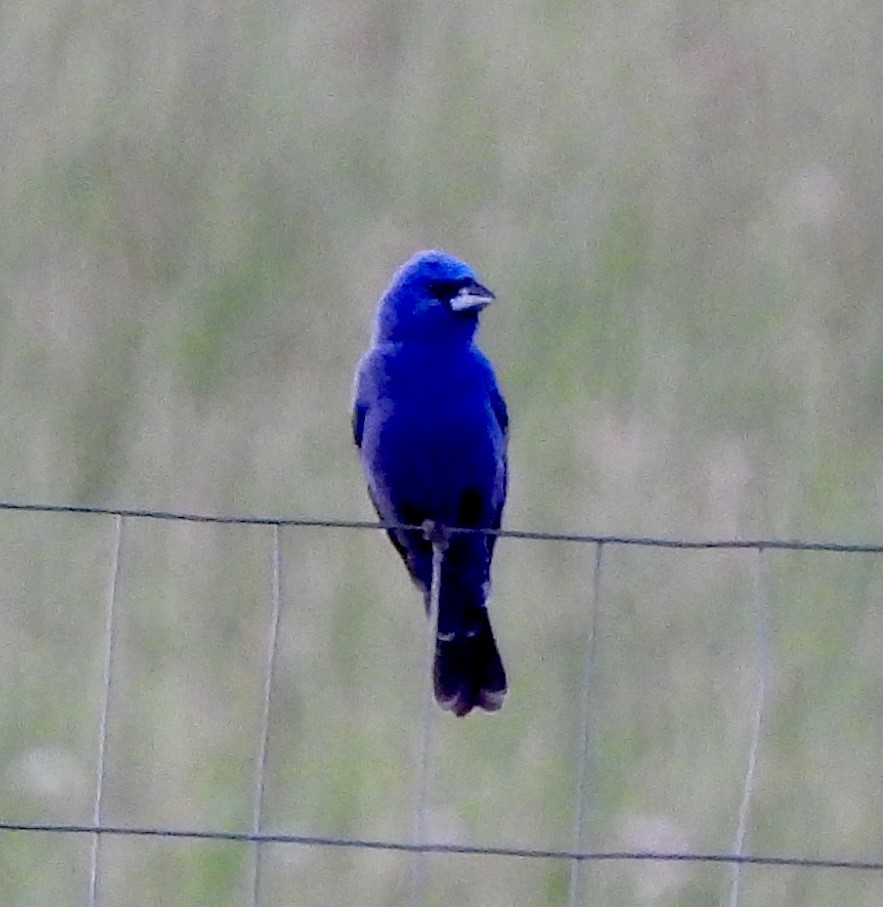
<point>443,289</point>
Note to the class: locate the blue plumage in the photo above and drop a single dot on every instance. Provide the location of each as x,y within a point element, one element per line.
<point>431,427</point>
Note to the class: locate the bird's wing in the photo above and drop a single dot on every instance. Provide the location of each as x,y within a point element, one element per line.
<point>361,406</point>
<point>395,535</point>
<point>498,405</point>
<point>359,412</point>
<point>362,396</point>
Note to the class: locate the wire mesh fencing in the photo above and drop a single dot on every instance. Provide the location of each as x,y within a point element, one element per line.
<point>588,798</point>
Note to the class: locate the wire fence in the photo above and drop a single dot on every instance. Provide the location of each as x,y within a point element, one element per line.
<point>419,846</point>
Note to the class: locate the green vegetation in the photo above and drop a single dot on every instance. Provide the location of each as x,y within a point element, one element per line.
<point>678,205</point>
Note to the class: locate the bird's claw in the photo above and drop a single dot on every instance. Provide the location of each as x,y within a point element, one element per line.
<point>436,533</point>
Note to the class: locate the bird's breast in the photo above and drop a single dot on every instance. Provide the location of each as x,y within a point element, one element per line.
<point>427,457</point>
<point>430,434</point>
<point>441,435</point>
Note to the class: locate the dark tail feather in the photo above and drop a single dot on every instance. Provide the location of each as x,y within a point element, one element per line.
<point>468,670</point>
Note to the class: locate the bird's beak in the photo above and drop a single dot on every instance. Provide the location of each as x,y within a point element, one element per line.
<point>471,298</point>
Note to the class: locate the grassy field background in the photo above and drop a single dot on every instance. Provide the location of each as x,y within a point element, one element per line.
<point>679,206</point>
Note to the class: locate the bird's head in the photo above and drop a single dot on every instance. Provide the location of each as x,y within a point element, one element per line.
<point>433,297</point>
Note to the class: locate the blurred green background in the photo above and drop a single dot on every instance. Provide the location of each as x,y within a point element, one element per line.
<point>680,207</point>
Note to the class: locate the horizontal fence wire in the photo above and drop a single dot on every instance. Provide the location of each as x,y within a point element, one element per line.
<point>476,850</point>
<point>418,846</point>
<point>321,523</point>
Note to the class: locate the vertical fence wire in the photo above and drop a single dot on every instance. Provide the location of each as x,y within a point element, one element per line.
<point>269,681</point>
<point>582,783</point>
<point>418,860</point>
<point>761,648</point>
<point>106,680</point>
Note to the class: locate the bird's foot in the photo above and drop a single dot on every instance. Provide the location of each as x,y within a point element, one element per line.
<point>436,533</point>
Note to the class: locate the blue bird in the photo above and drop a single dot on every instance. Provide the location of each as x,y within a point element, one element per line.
<point>431,427</point>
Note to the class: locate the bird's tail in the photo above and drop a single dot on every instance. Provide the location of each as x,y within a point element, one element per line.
<point>468,670</point>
